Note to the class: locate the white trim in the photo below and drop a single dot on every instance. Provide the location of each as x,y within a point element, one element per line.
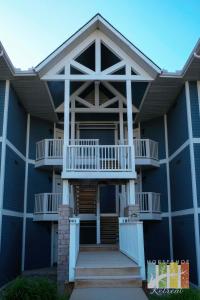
<point>3,151</point>
<point>168,187</point>
<point>0,139</point>
<point>18,214</point>
<point>198,93</point>
<point>25,193</point>
<point>181,148</point>
<point>193,174</point>
<point>177,213</point>
<point>15,150</point>
<point>52,241</point>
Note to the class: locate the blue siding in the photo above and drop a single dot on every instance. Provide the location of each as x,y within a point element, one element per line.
<point>39,181</point>
<point>184,242</point>
<point>105,136</point>
<point>2,97</point>
<point>154,129</point>
<point>38,245</point>
<point>197,168</point>
<point>0,157</point>
<point>177,123</point>
<point>194,103</point>
<point>39,130</point>
<point>14,181</point>
<point>16,132</point>
<point>181,183</point>
<point>10,256</point>
<point>156,239</point>
<point>155,180</point>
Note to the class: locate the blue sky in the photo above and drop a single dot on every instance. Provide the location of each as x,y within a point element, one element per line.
<point>165,30</point>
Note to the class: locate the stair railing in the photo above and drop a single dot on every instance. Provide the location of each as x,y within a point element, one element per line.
<point>131,242</point>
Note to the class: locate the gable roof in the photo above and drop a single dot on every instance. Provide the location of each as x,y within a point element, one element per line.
<point>98,22</point>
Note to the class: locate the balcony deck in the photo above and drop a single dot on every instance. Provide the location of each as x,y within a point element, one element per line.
<point>88,159</point>
<point>46,206</point>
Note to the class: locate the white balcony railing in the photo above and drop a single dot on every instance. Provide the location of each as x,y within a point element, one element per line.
<point>146,148</point>
<point>53,148</point>
<point>47,203</point>
<point>99,158</point>
<point>49,149</point>
<point>148,202</point>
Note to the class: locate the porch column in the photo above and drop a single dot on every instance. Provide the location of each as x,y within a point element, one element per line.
<point>129,113</point>
<point>66,121</point>
<point>121,121</point>
<point>64,208</point>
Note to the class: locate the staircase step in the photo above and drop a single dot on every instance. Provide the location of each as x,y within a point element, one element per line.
<point>108,281</point>
<point>107,271</point>
<point>97,248</point>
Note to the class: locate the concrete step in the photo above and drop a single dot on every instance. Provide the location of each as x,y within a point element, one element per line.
<point>108,293</point>
<point>121,271</point>
<point>108,281</point>
<point>98,248</point>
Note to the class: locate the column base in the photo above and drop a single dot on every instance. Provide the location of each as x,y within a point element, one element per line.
<point>132,212</point>
<point>63,246</point>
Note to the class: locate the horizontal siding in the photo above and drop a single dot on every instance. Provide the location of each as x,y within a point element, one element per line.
<point>177,123</point>
<point>17,117</point>
<point>38,245</point>
<point>2,99</point>
<point>181,182</point>
<point>154,129</point>
<point>184,242</point>
<point>154,233</point>
<point>197,169</point>
<point>194,104</point>
<point>39,181</point>
<point>11,248</point>
<point>14,181</point>
<point>155,180</point>
<point>39,130</point>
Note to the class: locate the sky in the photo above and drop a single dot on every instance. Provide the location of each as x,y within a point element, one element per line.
<point>165,30</point>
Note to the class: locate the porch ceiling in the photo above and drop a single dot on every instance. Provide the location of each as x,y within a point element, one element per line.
<point>159,98</point>
<point>34,96</point>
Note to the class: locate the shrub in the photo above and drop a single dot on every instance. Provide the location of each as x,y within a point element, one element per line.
<point>23,288</point>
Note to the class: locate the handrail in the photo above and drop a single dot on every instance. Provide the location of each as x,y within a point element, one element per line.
<point>131,241</point>
<point>148,202</point>
<point>47,203</point>
<point>99,158</point>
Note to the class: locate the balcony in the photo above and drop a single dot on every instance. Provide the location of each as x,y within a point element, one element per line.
<point>86,155</point>
<point>46,206</point>
<point>149,205</point>
<point>146,152</point>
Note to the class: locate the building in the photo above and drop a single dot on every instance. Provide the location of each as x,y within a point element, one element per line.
<point>97,132</point>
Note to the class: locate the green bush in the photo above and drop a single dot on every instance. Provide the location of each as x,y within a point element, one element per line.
<point>23,288</point>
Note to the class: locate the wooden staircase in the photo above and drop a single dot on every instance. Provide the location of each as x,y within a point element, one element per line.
<point>103,267</point>
<point>85,196</point>
<point>109,230</point>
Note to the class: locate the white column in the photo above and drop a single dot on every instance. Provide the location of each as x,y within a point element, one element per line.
<point>66,192</point>
<point>73,120</point>
<point>66,121</point>
<point>98,218</point>
<point>131,192</point>
<point>129,112</point>
<point>121,121</point>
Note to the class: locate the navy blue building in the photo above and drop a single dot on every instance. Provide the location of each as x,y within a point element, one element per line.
<point>99,128</point>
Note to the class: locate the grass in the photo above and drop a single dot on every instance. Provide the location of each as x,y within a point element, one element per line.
<point>187,294</point>
<point>23,288</point>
